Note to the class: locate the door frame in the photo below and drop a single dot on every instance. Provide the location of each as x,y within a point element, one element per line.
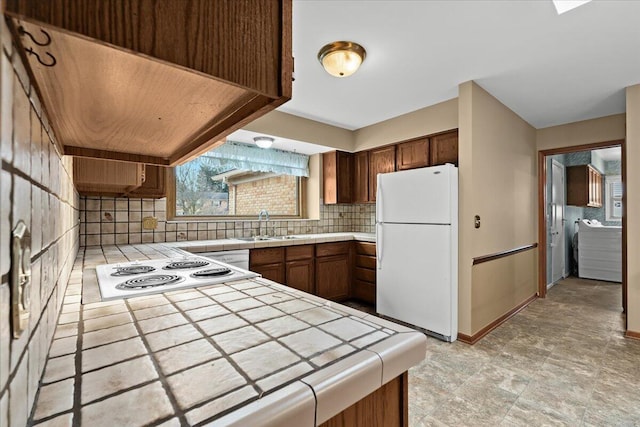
<point>542,226</point>
<point>548,225</point>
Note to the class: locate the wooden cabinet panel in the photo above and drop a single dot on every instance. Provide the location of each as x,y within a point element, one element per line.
<point>163,112</point>
<point>301,275</point>
<point>361,177</point>
<point>333,276</point>
<point>584,186</point>
<point>337,169</point>
<point>104,177</point>
<point>275,272</point>
<point>264,256</point>
<point>444,148</point>
<point>154,185</point>
<point>365,248</point>
<point>335,248</point>
<point>366,261</point>
<point>364,272</point>
<point>293,253</point>
<point>381,160</point>
<point>412,154</point>
<point>269,262</point>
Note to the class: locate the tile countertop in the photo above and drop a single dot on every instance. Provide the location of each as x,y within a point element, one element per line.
<point>251,352</point>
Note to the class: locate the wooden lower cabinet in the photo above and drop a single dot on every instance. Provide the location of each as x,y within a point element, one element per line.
<point>388,406</point>
<point>364,272</point>
<point>333,270</point>
<point>269,262</point>
<point>300,267</point>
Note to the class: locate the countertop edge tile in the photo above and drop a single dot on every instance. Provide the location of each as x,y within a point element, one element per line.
<point>399,353</point>
<point>291,406</point>
<point>342,384</point>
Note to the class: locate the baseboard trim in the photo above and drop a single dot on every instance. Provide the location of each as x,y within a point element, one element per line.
<point>467,339</point>
<point>632,334</point>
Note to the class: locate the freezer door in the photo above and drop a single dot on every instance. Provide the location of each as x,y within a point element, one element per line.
<point>415,281</point>
<point>417,196</point>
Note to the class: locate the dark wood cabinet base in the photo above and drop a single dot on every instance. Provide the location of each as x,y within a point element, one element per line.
<point>385,407</point>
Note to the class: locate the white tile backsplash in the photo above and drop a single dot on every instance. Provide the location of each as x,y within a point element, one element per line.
<point>35,186</point>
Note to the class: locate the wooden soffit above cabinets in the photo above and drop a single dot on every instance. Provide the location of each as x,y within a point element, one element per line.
<point>153,82</point>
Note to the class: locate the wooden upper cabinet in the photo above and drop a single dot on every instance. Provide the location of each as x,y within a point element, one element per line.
<point>154,185</point>
<point>361,177</point>
<point>412,154</point>
<point>155,82</point>
<point>444,148</point>
<point>381,160</point>
<point>93,177</point>
<point>584,186</point>
<point>337,170</point>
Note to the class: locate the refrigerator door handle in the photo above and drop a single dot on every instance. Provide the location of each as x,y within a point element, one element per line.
<point>379,244</point>
<point>379,200</point>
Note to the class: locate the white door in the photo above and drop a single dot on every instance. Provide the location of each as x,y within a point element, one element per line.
<point>414,277</point>
<point>417,196</point>
<point>556,224</point>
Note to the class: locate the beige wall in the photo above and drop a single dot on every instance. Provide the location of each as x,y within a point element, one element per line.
<point>498,182</point>
<point>285,125</point>
<point>633,207</point>
<point>602,129</point>
<point>436,118</point>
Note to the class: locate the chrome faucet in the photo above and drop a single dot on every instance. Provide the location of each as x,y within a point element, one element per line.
<point>263,213</point>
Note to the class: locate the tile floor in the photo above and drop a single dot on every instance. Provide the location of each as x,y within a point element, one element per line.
<point>560,361</point>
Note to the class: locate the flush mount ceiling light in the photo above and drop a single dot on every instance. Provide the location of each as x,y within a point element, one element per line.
<point>563,6</point>
<point>341,59</point>
<point>263,141</point>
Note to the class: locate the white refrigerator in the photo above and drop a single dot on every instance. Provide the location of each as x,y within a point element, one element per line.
<point>417,248</point>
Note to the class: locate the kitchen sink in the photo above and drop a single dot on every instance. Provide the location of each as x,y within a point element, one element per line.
<point>258,239</point>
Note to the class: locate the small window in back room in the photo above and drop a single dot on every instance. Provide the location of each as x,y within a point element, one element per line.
<point>239,180</point>
<point>613,197</point>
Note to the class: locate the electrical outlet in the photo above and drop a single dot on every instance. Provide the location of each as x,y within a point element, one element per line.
<point>149,223</point>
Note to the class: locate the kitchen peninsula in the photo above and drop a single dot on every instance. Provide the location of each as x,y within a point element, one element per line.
<point>251,352</point>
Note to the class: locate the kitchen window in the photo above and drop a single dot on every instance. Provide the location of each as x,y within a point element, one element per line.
<point>613,197</point>
<point>238,180</point>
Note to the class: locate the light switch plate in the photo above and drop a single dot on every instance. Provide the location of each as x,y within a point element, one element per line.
<point>20,278</point>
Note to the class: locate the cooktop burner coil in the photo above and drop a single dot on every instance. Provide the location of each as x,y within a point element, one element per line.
<point>182,265</point>
<point>132,270</point>
<point>211,272</point>
<point>151,281</point>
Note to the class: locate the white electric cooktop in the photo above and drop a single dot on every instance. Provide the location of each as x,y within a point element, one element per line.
<point>136,278</point>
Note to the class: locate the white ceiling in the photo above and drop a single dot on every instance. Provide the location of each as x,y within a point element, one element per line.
<point>548,68</point>
<point>279,143</point>
<point>608,154</point>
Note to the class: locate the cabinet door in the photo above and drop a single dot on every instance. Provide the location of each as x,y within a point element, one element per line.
<point>444,148</point>
<point>333,275</point>
<point>106,177</point>
<point>300,275</point>
<point>154,183</point>
<point>361,177</point>
<point>337,169</point>
<point>273,272</point>
<point>412,154</point>
<point>381,160</point>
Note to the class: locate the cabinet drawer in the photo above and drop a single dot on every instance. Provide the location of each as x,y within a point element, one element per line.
<point>366,248</point>
<point>266,256</point>
<point>299,252</point>
<point>366,261</point>
<point>365,274</point>
<point>328,249</point>
<point>364,291</point>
